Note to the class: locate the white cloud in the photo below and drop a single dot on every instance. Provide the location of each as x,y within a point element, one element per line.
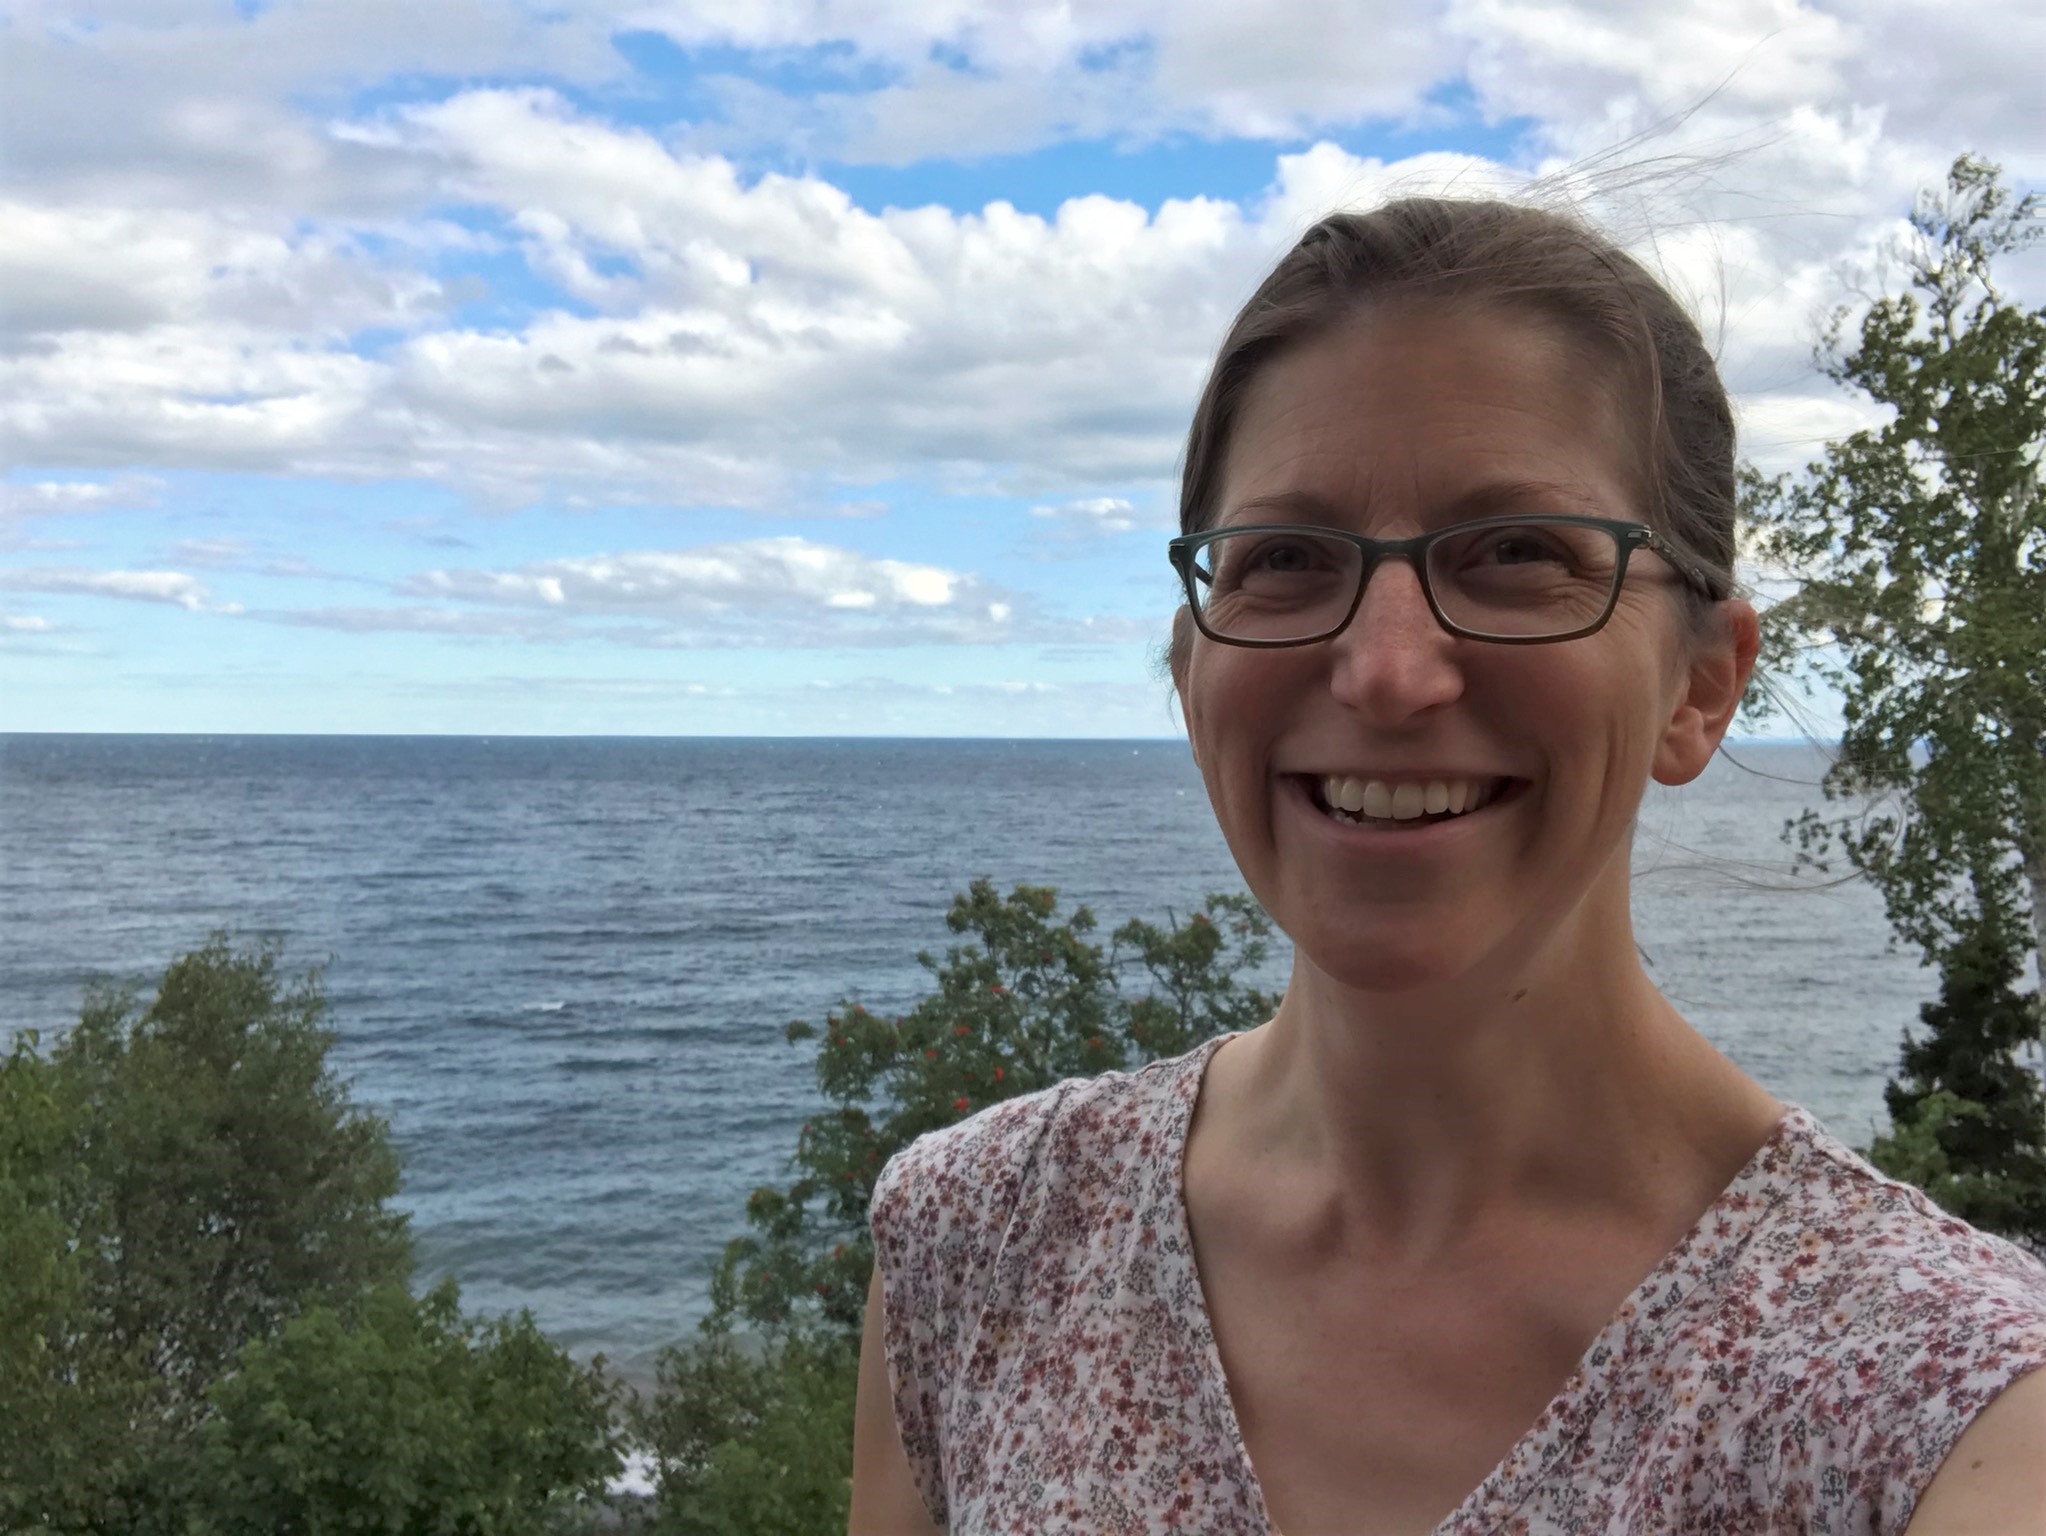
<point>970,80</point>
<point>452,623</point>
<point>1786,432</point>
<point>173,587</point>
<point>24,624</point>
<point>1094,514</point>
<point>761,591</point>
<point>216,104</point>
<point>761,341</point>
<point>42,498</point>
<point>210,554</point>
<point>123,269</point>
<point>774,593</point>
<point>1075,529</point>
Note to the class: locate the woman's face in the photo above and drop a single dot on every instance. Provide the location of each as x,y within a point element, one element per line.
<point>1400,422</point>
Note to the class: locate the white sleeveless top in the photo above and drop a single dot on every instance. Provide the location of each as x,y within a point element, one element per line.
<point>1802,1361</point>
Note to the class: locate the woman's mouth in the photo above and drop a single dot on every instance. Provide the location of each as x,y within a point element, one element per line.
<point>1402,804</point>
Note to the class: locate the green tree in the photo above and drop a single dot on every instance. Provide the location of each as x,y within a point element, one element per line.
<point>229,1183</point>
<point>756,1435</point>
<point>1920,544</point>
<point>1027,1002</point>
<point>410,1420</point>
<point>1964,1116</point>
<point>753,1439</point>
<point>202,1292</point>
<point>67,1399</point>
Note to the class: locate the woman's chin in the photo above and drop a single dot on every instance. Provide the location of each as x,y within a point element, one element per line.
<point>1383,967</point>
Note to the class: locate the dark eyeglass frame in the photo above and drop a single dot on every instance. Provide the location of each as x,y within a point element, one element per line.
<point>1183,549</point>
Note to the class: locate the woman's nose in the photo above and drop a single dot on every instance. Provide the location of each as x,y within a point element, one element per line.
<point>1393,660</point>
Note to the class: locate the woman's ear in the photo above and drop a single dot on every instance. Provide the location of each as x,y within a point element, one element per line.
<point>1714,680</point>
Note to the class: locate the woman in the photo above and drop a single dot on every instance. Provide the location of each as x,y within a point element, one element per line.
<point>1476,1234</point>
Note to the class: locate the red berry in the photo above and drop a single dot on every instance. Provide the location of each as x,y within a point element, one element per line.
<point>959,1103</point>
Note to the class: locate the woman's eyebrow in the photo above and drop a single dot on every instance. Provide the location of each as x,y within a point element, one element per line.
<point>1503,496</point>
<point>1488,500</point>
<point>1289,506</point>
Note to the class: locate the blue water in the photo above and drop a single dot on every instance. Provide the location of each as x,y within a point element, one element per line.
<point>561,967</point>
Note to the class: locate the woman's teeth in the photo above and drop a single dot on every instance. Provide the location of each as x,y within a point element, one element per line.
<point>1375,800</point>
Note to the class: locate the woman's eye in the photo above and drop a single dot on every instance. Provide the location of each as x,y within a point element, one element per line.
<point>1283,557</point>
<point>1522,548</point>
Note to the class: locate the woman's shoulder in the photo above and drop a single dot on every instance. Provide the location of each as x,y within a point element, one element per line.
<point>1889,1245</point>
<point>972,1216</point>
<point>1067,1130</point>
<point>1875,1326</point>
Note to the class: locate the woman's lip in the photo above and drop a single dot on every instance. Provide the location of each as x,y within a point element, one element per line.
<point>1398,835</point>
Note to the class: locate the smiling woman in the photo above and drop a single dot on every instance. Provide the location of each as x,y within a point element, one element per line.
<point>1476,1233</point>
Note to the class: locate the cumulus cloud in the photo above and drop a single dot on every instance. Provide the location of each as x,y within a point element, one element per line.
<point>43,498</point>
<point>778,590</point>
<point>734,339</point>
<point>971,82</point>
<point>214,262</point>
<point>1094,514</point>
<point>67,269</point>
<point>174,587</point>
<point>133,103</point>
<point>773,592</point>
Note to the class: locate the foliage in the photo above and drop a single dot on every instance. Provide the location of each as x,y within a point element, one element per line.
<point>751,1440</point>
<point>231,1183</point>
<point>1028,1002</point>
<point>192,1214</point>
<point>1920,544</point>
<point>759,1438</point>
<point>412,1419</point>
<point>1921,548</point>
<point>1965,1116</point>
<point>67,1400</point>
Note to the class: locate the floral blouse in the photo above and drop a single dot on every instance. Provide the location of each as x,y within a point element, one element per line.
<point>1801,1362</point>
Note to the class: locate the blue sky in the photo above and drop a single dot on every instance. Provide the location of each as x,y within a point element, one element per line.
<point>789,366</point>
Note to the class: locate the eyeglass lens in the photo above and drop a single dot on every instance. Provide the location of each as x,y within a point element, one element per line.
<point>1522,581</point>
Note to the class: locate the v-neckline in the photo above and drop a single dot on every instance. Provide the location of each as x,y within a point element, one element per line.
<point>1713,1240</point>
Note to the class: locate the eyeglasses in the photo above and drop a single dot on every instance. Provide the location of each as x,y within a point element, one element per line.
<point>1513,580</point>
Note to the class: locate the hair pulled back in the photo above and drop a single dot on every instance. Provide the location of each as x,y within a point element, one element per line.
<point>1505,256</point>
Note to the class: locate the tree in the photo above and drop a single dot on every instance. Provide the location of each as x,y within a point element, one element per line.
<point>230,1183</point>
<point>204,1321</point>
<point>411,1419</point>
<point>753,1439</point>
<point>1964,1116</point>
<point>1921,548</point>
<point>67,1398</point>
<point>1028,1002</point>
<point>757,1434</point>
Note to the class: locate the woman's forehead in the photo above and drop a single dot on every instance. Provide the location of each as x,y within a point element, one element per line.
<point>1444,416</point>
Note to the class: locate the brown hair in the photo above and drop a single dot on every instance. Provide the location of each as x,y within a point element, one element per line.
<point>1482,252</point>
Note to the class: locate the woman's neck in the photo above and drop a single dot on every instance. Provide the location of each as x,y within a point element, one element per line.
<point>1414,1121</point>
